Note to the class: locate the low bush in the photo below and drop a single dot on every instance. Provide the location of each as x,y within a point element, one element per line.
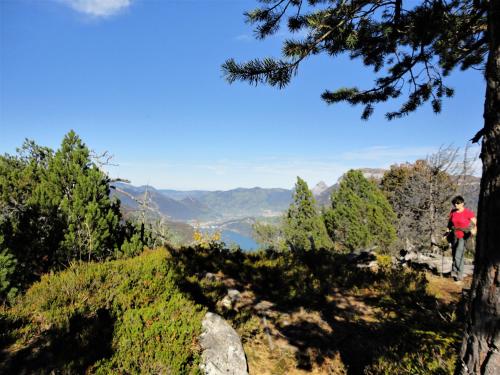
<point>421,353</point>
<point>123,316</point>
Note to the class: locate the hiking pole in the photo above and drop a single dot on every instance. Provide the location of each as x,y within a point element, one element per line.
<point>442,256</point>
<point>442,261</point>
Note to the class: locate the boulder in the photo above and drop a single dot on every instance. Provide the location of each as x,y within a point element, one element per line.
<point>436,263</point>
<point>222,349</point>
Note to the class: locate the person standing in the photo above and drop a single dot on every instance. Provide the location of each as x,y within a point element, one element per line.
<point>462,224</point>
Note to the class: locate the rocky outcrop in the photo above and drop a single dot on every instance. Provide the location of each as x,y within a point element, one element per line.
<point>434,262</point>
<point>222,349</point>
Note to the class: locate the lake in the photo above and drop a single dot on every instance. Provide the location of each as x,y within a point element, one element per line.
<point>244,242</point>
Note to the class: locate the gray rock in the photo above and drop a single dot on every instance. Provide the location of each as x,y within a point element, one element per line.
<point>230,299</point>
<point>438,264</point>
<point>233,294</point>
<point>222,349</point>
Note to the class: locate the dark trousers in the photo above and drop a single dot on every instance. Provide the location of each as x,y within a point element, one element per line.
<point>457,268</point>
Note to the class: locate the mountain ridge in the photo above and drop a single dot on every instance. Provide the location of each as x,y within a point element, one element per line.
<point>239,203</point>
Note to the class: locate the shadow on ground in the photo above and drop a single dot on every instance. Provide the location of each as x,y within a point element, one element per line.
<point>70,351</point>
<point>322,304</point>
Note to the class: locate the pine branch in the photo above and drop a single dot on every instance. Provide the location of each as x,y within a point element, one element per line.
<point>417,46</point>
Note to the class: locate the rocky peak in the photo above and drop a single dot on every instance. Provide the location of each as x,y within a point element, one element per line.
<point>319,188</point>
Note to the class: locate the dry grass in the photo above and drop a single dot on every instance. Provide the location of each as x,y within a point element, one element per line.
<point>297,342</point>
<point>282,359</point>
<point>281,342</point>
<point>446,290</point>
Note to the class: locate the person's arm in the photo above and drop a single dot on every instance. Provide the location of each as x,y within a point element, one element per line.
<point>473,228</point>
<point>448,227</point>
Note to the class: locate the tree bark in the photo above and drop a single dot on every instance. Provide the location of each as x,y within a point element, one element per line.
<point>479,353</point>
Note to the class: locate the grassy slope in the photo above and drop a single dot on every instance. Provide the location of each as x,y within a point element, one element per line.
<point>125,316</point>
<point>321,315</point>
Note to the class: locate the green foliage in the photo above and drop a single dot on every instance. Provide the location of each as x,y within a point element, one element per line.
<point>269,236</point>
<point>422,353</point>
<point>153,326</point>
<point>28,230</point>
<point>7,270</point>
<point>131,247</point>
<point>360,216</point>
<point>56,207</point>
<point>304,229</point>
<point>136,238</point>
<point>80,191</point>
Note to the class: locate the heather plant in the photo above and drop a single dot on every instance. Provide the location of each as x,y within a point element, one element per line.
<point>122,316</point>
<point>423,353</point>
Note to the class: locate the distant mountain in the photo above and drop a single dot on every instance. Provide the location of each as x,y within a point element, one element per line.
<point>373,173</point>
<point>176,210</point>
<point>181,194</point>
<point>223,206</point>
<point>319,188</point>
<point>241,202</point>
<point>323,199</point>
<point>206,205</point>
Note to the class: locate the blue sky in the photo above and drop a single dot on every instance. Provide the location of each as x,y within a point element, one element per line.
<point>142,80</point>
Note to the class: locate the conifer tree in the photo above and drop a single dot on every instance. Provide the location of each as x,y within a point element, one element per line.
<point>55,208</point>
<point>80,191</point>
<point>360,216</point>
<point>29,231</point>
<point>304,230</point>
<point>413,46</point>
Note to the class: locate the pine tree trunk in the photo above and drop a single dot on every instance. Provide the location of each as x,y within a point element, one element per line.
<point>481,342</point>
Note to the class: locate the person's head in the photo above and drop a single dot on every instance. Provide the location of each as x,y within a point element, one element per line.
<point>458,201</point>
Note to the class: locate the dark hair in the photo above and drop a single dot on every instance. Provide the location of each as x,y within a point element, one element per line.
<point>458,199</point>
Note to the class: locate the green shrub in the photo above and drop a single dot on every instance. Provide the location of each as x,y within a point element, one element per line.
<point>153,325</point>
<point>7,270</point>
<point>421,353</point>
